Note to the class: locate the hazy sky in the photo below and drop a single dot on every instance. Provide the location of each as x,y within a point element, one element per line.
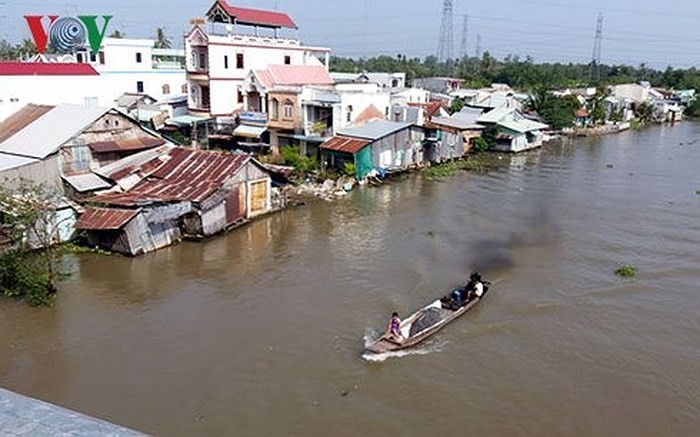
<point>634,31</point>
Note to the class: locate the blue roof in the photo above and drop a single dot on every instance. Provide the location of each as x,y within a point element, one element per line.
<point>374,130</point>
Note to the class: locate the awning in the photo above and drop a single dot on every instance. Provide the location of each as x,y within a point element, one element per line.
<point>186,120</point>
<point>244,130</point>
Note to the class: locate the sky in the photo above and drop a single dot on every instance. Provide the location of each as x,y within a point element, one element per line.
<point>656,34</point>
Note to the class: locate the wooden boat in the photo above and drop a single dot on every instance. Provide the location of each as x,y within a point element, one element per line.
<point>424,323</point>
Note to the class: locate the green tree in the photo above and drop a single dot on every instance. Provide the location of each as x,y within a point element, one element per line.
<point>644,112</point>
<point>162,40</point>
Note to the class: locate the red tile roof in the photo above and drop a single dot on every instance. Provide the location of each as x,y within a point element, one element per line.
<point>257,16</point>
<point>344,144</point>
<point>46,69</point>
<point>181,174</point>
<point>105,218</point>
<point>130,144</point>
<point>21,119</point>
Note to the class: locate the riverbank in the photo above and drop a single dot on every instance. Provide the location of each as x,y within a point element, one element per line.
<point>334,189</point>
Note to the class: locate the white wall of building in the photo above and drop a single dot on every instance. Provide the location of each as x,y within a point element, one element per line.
<point>359,97</point>
<point>126,54</point>
<point>18,91</point>
<point>410,95</point>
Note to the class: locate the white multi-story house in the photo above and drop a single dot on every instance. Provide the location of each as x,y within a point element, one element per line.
<point>221,51</point>
<point>136,66</point>
<point>121,66</point>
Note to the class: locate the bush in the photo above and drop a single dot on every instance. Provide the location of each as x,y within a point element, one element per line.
<point>480,145</point>
<point>349,169</point>
<point>292,157</point>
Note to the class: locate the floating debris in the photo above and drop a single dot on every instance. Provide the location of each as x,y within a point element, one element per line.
<point>626,271</point>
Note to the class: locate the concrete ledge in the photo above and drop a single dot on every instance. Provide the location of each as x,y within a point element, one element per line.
<point>24,416</point>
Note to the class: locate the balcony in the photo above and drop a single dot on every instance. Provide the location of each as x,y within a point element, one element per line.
<point>253,118</point>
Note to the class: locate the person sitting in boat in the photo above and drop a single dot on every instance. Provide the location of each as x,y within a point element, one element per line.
<point>394,328</point>
<point>475,287</point>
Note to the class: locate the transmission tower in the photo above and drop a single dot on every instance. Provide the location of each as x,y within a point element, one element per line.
<point>597,46</point>
<point>464,36</point>
<point>478,45</point>
<point>446,31</point>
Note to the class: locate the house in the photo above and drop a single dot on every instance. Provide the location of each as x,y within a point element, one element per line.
<point>59,146</point>
<point>439,85</point>
<point>409,96</point>
<point>515,132</point>
<point>297,101</point>
<point>222,50</point>
<point>380,145</point>
<point>384,80</point>
<point>450,136</point>
<point>355,99</point>
<point>495,96</point>
<point>172,193</point>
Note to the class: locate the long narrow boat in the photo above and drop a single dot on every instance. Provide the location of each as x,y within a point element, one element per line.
<point>424,323</point>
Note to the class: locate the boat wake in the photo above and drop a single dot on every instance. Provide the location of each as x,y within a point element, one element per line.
<point>427,347</point>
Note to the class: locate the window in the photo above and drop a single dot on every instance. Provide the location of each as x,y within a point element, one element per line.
<point>239,60</point>
<point>139,86</point>
<point>239,98</point>
<point>93,57</point>
<point>275,109</point>
<point>166,89</point>
<point>138,57</point>
<point>102,58</point>
<point>287,60</point>
<point>226,62</point>
<point>183,88</point>
<point>79,58</point>
<point>288,111</point>
<point>349,115</point>
<point>202,61</point>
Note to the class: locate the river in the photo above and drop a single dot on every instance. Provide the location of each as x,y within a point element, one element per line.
<point>260,332</point>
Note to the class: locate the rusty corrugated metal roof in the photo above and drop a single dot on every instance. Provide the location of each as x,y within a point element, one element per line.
<point>105,218</point>
<point>344,144</point>
<point>182,174</point>
<point>126,144</point>
<point>21,119</point>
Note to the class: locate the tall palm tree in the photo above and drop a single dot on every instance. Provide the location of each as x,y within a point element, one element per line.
<point>162,40</point>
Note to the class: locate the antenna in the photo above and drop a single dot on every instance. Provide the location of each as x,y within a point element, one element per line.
<point>446,32</point>
<point>597,46</point>
<point>464,35</point>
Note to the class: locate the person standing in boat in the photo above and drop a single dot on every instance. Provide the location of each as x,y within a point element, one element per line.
<point>394,328</point>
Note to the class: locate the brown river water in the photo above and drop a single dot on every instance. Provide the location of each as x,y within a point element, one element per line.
<point>260,332</point>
